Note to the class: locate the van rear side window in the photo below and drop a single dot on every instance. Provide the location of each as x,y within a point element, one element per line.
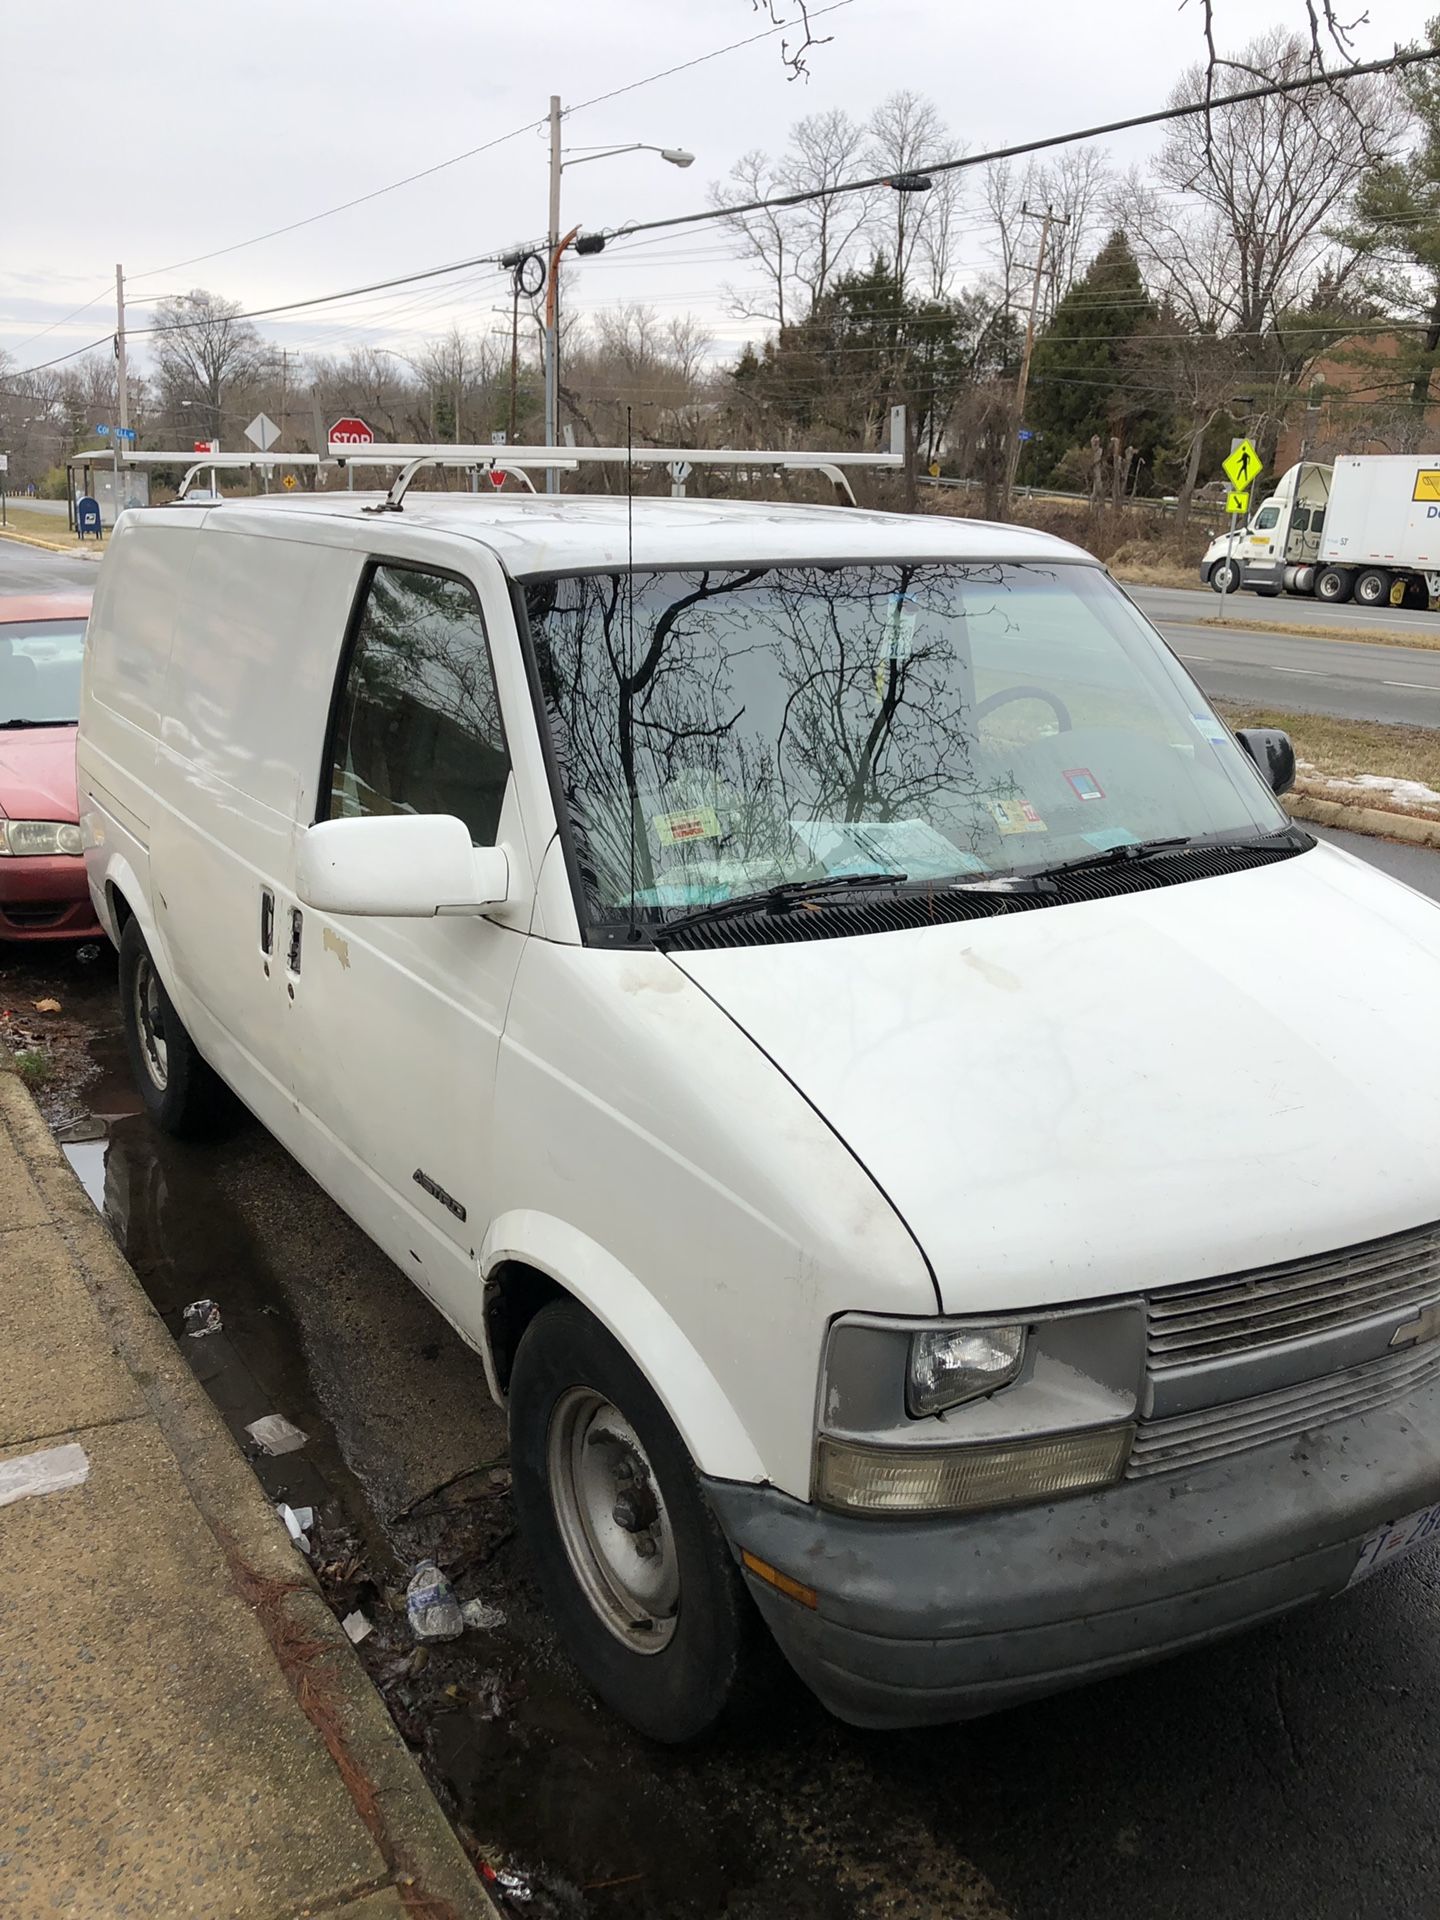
<point>418,730</point>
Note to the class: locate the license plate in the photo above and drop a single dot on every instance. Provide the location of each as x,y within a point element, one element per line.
<point>1394,1540</point>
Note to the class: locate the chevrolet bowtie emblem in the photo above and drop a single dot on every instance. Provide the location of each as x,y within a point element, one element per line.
<point>1426,1326</point>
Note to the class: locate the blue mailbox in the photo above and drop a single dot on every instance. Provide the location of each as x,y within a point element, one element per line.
<point>87,516</point>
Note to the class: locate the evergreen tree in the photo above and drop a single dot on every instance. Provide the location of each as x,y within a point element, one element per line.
<point>1079,381</point>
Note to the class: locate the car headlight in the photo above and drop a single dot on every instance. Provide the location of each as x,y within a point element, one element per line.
<point>950,1365</point>
<point>40,836</point>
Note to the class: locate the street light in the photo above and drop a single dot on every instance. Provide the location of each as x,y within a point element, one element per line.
<point>676,156</point>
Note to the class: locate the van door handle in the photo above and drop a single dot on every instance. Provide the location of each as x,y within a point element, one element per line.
<point>292,958</point>
<point>267,921</point>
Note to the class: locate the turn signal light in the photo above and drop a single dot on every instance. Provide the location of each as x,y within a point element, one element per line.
<point>1011,1473</point>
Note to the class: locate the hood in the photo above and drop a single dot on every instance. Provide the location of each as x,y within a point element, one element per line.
<point>1133,1092</point>
<point>37,774</point>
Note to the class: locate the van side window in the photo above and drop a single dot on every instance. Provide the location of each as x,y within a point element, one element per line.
<point>418,728</point>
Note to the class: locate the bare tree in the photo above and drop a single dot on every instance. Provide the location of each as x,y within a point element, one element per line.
<point>202,351</point>
<point>1233,226</point>
<point>911,228</point>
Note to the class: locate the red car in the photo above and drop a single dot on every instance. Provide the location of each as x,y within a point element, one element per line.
<point>43,895</point>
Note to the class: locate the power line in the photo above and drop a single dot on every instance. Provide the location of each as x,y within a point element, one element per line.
<point>424,173</point>
<point>1189,111</point>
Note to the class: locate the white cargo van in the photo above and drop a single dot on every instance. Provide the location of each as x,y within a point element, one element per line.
<point>931,1157</point>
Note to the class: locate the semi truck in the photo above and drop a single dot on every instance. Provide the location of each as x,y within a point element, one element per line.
<point>1366,529</point>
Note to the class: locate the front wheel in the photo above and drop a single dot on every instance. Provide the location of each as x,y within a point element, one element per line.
<point>1226,577</point>
<point>181,1093</point>
<point>633,1566</point>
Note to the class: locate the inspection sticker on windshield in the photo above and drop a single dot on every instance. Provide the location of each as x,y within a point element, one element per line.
<point>1209,728</point>
<point>672,829</point>
<point>1086,786</point>
<point>1394,1541</point>
<point>1015,816</point>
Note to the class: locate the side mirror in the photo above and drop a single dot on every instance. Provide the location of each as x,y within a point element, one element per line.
<point>407,865</point>
<point>1273,753</point>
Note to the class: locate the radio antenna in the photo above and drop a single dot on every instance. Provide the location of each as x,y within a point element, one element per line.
<point>630,643</point>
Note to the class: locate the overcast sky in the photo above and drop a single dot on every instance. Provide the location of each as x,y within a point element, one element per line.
<point>164,129</point>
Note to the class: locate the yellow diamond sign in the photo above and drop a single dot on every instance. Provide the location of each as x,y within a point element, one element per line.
<point>1238,503</point>
<point>1243,468</point>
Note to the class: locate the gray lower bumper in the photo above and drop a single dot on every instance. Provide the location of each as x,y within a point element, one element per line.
<point>925,1621</point>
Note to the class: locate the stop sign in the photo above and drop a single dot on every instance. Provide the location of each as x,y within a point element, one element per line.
<point>351,432</point>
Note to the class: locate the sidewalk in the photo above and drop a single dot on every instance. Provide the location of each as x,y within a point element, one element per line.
<point>184,1728</point>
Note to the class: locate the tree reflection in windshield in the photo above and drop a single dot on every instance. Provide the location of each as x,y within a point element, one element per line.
<point>724,730</point>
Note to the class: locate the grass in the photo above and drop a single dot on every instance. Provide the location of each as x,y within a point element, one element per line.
<point>44,526</point>
<point>1367,636</point>
<point>33,1067</point>
<point>1339,748</point>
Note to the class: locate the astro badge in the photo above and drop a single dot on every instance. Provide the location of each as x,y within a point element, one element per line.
<point>1015,816</point>
<point>1086,786</point>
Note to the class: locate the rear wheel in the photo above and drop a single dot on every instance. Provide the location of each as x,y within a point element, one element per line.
<point>1332,584</point>
<point>1226,577</point>
<point>1417,594</point>
<point>635,1571</point>
<point>1372,588</point>
<point>181,1093</point>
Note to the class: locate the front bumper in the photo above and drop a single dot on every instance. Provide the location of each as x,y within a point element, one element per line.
<point>46,897</point>
<point>925,1621</point>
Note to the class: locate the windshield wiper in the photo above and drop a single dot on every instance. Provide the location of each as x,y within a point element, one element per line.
<point>1131,851</point>
<point>10,726</point>
<point>777,899</point>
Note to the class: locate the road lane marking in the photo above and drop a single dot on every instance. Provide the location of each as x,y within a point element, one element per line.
<point>1310,673</point>
<point>1423,686</point>
<point>1202,656</point>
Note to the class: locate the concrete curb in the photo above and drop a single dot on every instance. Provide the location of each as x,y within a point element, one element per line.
<point>430,1870</point>
<point>47,546</point>
<point>1415,830</point>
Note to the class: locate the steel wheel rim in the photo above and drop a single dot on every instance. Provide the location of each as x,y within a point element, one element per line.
<point>150,1023</point>
<point>612,1520</point>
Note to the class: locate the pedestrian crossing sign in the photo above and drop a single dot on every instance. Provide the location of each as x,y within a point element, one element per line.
<point>1243,468</point>
<point>1237,502</point>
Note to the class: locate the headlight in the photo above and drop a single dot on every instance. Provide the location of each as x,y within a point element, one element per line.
<point>950,1365</point>
<point>40,836</point>
<point>1010,1473</point>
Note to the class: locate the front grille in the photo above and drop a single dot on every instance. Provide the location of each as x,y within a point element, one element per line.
<point>1162,1446</point>
<point>1217,1319</point>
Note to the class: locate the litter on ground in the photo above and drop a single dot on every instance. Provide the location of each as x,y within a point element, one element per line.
<point>275,1433</point>
<point>430,1603</point>
<point>48,1472</point>
<point>202,1317</point>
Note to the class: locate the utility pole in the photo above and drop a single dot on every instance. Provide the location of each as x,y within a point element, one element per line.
<point>1047,220</point>
<point>122,391</point>
<point>284,383</point>
<point>552,301</point>
<point>514,347</point>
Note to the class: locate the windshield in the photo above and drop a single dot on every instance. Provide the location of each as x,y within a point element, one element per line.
<point>724,732</point>
<point>40,671</point>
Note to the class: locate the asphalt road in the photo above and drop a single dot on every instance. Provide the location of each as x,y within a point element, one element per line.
<point>34,570</point>
<point>1348,679</point>
<point>1292,1772</point>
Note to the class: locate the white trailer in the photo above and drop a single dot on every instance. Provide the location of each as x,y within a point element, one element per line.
<point>1367,528</point>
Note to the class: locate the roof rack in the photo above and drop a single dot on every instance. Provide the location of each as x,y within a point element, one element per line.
<point>497,459</point>
<point>414,459</point>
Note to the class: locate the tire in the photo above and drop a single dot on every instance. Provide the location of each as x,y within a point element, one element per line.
<point>1218,572</point>
<point>585,1421</point>
<point>1417,594</point>
<point>1268,593</point>
<point>182,1095</point>
<point>1372,588</point>
<point>1332,584</point>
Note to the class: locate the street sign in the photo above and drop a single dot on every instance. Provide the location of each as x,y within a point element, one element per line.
<point>4,463</point>
<point>351,432</point>
<point>499,437</point>
<point>104,432</point>
<point>497,477</point>
<point>124,433</point>
<point>1237,503</point>
<point>1243,468</point>
<point>207,446</point>
<point>262,432</point>
<point>1025,434</point>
